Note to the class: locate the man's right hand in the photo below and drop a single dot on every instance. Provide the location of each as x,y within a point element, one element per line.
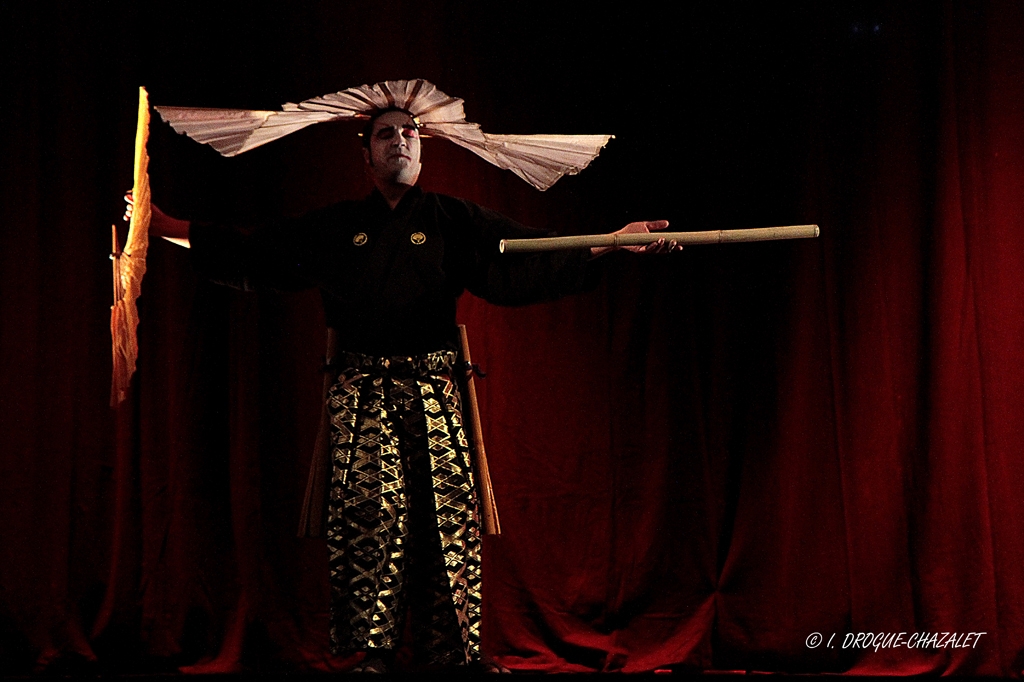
<point>161,224</point>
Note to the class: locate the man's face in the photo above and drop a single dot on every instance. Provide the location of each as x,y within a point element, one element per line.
<point>394,153</point>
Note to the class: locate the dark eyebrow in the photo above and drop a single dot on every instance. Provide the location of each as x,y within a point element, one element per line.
<point>404,126</point>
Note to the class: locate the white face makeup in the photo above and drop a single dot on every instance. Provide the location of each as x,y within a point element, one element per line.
<point>394,153</point>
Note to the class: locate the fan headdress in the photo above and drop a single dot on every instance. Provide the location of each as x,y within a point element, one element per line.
<point>538,159</point>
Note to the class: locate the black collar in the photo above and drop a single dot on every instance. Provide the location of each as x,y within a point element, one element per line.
<point>410,197</point>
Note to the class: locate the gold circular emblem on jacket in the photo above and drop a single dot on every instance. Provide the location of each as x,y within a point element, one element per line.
<point>417,238</point>
<point>359,239</point>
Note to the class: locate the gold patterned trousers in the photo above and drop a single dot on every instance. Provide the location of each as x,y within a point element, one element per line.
<point>402,525</point>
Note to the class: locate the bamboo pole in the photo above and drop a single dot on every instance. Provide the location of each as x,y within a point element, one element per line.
<point>588,241</point>
<point>115,264</point>
<point>115,255</point>
<point>313,517</point>
<point>488,509</point>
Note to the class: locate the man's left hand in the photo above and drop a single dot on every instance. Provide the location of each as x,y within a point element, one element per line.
<point>643,227</point>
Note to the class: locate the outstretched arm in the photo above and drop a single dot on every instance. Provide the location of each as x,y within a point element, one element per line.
<point>659,246</point>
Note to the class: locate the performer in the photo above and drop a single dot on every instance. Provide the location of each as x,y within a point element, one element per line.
<point>402,523</point>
